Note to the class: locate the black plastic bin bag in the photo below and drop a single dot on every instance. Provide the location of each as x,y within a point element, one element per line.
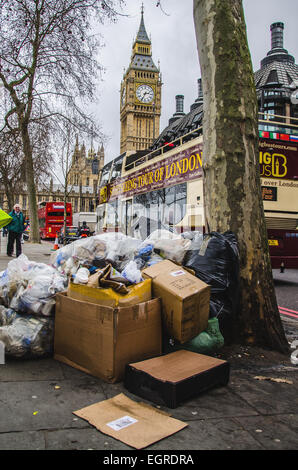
<point>216,262</point>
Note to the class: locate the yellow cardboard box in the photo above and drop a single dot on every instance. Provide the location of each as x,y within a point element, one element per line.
<point>137,293</point>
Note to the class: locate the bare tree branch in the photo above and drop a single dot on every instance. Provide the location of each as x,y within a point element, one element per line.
<point>47,51</point>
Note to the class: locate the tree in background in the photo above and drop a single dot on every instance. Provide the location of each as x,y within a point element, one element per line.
<point>12,167</point>
<point>232,187</point>
<point>47,63</point>
<point>65,144</point>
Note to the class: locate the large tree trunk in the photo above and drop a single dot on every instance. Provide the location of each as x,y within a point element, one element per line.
<point>232,188</point>
<point>27,149</point>
<point>9,192</point>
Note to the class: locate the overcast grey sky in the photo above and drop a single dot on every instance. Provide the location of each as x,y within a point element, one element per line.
<point>174,46</point>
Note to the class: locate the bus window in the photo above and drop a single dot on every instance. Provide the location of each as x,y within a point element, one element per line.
<point>58,214</point>
<point>164,207</point>
<point>100,217</point>
<point>126,216</point>
<point>148,212</point>
<point>105,176</point>
<point>117,169</point>
<point>112,215</point>
<point>175,204</point>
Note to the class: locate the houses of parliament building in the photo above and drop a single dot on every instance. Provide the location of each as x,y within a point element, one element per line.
<point>81,188</point>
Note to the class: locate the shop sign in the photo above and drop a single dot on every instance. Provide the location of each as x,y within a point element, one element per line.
<point>269,193</point>
<point>278,159</point>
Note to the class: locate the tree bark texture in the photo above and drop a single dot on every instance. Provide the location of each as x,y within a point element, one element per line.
<point>9,192</point>
<point>31,188</point>
<point>232,186</point>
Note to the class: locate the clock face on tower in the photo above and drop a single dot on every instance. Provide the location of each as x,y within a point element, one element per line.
<point>145,93</point>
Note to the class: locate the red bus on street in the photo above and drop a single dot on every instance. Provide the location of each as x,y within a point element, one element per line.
<point>51,218</point>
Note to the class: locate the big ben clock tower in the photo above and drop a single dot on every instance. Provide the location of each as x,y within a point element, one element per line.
<point>140,96</point>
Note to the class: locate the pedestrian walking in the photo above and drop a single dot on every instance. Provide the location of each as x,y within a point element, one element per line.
<point>15,230</point>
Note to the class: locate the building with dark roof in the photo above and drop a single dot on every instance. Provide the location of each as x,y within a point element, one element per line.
<point>277,78</point>
<point>275,81</point>
<point>181,123</point>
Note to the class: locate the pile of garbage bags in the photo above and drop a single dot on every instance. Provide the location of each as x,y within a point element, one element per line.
<point>126,256</point>
<point>112,259</point>
<point>213,257</point>
<point>26,336</point>
<point>27,295</point>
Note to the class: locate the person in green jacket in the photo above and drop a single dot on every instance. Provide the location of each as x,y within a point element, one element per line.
<point>15,229</point>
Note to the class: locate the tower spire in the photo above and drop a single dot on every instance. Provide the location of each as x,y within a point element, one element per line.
<point>76,153</point>
<point>141,76</point>
<point>142,33</point>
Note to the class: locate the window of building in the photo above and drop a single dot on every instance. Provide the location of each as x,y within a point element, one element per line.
<point>95,166</point>
<point>272,77</point>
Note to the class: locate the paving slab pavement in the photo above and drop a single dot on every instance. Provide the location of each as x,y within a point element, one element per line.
<point>38,398</point>
<point>39,252</point>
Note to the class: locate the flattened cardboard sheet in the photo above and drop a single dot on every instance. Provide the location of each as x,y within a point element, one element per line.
<point>136,424</point>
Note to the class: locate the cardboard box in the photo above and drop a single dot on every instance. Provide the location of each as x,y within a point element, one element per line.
<point>176,377</point>
<point>101,340</point>
<point>185,299</point>
<point>137,293</point>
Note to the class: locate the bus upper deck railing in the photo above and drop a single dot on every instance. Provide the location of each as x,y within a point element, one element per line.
<point>278,123</point>
<point>165,148</point>
<point>268,118</point>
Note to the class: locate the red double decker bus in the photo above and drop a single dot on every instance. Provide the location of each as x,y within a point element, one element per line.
<point>51,218</point>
